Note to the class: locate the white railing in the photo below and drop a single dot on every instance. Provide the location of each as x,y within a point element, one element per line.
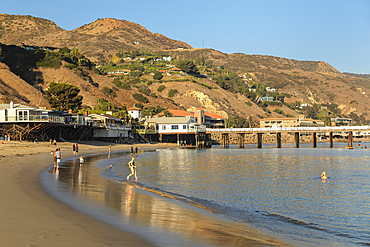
<point>197,129</point>
<point>35,118</point>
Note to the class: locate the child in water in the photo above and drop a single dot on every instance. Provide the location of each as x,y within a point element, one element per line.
<point>81,160</point>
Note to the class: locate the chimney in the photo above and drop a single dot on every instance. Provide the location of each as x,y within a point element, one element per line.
<point>11,105</point>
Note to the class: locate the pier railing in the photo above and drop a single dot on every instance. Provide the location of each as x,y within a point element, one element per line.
<point>289,129</point>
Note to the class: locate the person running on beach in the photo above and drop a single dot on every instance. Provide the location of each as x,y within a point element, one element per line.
<point>132,167</point>
<point>81,160</point>
<point>58,156</point>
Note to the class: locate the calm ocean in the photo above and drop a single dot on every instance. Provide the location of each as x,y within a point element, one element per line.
<point>227,197</point>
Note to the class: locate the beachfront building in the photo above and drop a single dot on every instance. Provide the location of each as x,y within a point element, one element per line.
<point>210,120</point>
<point>180,130</point>
<point>338,121</point>
<point>21,113</point>
<point>108,127</point>
<point>301,121</point>
<point>22,122</point>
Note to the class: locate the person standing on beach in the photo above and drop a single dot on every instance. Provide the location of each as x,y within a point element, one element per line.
<point>109,148</point>
<point>81,160</point>
<point>9,139</point>
<point>55,157</point>
<point>55,142</point>
<point>74,149</point>
<point>132,167</point>
<point>58,156</point>
<point>136,149</point>
<point>132,149</point>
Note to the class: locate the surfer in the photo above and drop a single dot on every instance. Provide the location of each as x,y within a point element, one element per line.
<point>132,167</point>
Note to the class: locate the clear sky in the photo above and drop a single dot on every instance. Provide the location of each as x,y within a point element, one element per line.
<point>333,31</point>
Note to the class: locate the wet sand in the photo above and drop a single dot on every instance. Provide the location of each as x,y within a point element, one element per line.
<point>30,217</point>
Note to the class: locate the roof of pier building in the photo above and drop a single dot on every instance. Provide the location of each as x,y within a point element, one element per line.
<point>182,113</point>
<point>172,120</point>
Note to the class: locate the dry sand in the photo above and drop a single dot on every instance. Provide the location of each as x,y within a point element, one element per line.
<point>30,217</point>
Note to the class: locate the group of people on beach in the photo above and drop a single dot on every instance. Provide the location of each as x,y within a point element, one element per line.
<point>131,163</point>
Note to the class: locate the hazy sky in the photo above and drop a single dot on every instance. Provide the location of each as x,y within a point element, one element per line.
<point>333,31</point>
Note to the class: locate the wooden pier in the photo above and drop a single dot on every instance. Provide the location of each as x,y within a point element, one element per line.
<point>295,131</point>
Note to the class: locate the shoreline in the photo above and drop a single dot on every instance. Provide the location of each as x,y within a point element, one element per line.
<point>30,216</point>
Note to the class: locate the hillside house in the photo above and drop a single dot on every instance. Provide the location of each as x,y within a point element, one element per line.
<point>134,112</point>
<point>267,98</point>
<point>271,90</point>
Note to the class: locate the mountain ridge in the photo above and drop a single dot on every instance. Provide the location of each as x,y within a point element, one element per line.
<point>313,82</point>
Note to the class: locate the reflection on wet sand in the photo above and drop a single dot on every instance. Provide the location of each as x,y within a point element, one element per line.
<point>135,206</point>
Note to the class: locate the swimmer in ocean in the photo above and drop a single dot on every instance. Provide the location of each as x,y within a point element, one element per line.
<point>323,176</point>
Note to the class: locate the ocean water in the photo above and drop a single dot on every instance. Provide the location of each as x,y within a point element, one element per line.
<point>226,197</point>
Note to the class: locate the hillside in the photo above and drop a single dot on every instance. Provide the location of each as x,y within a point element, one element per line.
<point>99,40</point>
<point>221,87</point>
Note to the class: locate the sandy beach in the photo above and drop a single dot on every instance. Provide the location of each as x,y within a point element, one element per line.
<point>30,217</point>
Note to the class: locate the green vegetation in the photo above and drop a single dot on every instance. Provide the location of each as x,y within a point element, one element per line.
<point>109,91</point>
<point>120,84</point>
<point>140,97</point>
<point>151,111</point>
<point>240,122</point>
<point>62,96</point>
<point>157,76</point>
<point>188,67</point>
<point>161,88</point>
<point>103,105</point>
<point>277,110</point>
<point>172,92</point>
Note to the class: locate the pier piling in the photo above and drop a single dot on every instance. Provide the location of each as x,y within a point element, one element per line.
<point>296,139</point>
<point>278,140</point>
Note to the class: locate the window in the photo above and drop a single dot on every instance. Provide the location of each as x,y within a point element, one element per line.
<point>22,115</point>
<point>184,127</point>
<point>174,127</point>
<point>163,127</point>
